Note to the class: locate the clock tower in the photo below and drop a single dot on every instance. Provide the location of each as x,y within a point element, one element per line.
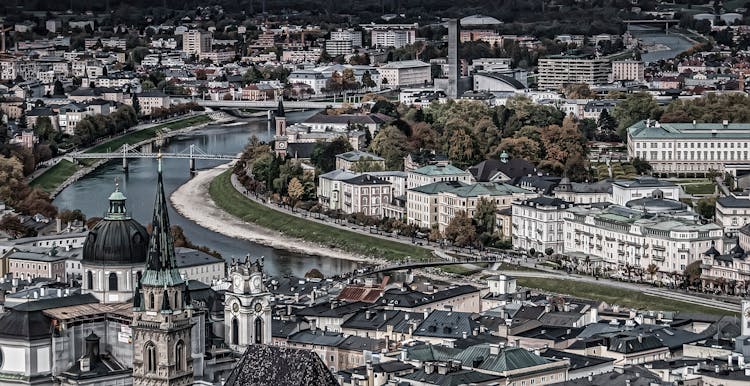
<point>280,139</point>
<point>247,306</point>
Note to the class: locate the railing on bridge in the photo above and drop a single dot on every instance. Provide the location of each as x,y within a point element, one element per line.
<point>126,152</point>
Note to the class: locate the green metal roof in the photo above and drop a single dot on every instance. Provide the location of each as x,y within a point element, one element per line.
<point>439,170</point>
<point>655,130</point>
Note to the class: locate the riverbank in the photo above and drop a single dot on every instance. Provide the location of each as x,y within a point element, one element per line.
<point>194,201</point>
<point>65,172</point>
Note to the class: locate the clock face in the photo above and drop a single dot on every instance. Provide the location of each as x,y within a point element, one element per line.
<point>237,283</point>
<point>236,307</point>
<point>281,145</point>
<point>258,307</point>
<point>256,283</point>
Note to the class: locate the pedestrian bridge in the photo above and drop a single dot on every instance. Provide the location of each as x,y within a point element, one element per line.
<point>126,152</point>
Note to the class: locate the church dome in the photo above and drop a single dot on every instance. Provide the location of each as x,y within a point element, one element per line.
<point>117,239</point>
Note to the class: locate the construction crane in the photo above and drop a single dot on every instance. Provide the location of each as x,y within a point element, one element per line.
<point>3,30</point>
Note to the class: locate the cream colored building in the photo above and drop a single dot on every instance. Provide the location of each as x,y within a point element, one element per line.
<point>628,70</point>
<point>538,223</point>
<point>195,42</point>
<point>435,173</point>
<point>689,149</point>
<point>732,213</point>
<point>617,236</point>
<point>405,73</point>
<point>436,204</point>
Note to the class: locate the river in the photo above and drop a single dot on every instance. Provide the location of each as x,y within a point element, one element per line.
<point>90,195</point>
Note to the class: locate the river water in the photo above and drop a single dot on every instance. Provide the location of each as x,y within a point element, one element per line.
<point>139,185</point>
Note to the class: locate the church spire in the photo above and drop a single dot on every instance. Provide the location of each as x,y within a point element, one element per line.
<point>161,268</point>
<point>280,110</point>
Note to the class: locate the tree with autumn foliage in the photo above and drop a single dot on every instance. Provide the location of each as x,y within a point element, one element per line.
<point>460,231</point>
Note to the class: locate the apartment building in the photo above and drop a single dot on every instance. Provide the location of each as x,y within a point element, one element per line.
<point>338,47</point>
<point>354,192</point>
<point>195,42</point>
<point>689,149</point>
<point>628,70</point>
<point>556,71</point>
<point>616,236</point>
<point>406,73</point>
<point>437,203</point>
<point>624,191</point>
<point>351,35</point>
<point>538,223</point>
<point>149,100</point>
<point>395,38</point>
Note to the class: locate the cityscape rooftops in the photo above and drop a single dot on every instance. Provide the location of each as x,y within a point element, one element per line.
<point>657,130</point>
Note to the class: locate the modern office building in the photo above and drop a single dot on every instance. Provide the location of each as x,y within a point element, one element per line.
<point>195,42</point>
<point>556,71</point>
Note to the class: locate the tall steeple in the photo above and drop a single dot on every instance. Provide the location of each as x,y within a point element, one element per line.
<point>161,267</point>
<point>162,318</point>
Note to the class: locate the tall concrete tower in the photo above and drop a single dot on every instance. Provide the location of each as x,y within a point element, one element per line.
<point>453,67</point>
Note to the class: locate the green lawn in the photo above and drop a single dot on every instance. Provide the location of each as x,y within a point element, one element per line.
<point>54,176</point>
<point>699,188</point>
<point>144,134</point>
<point>226,197</point>
<point>613,295</point>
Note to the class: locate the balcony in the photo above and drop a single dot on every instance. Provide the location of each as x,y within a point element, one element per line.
<point>657,258</point>
<point>683,250</point>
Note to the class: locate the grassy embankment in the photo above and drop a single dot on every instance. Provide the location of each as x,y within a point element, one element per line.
<point>56,175</point>
<point>614,295</point>
<point>226,197</point>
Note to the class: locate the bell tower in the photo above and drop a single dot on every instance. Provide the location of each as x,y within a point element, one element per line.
<point>247,306</point>
<point>281,138</point>
<point>162,310</point>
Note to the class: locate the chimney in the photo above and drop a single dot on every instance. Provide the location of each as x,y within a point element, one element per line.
<point>640,338</point>
<point>442,369</point>
<point>716,369</point>
<point>591,377</point>
<point>725,123</point>
<point>403,354</point>
<point>494,349</point>
<point>464,335</point>
<point>368,315</point>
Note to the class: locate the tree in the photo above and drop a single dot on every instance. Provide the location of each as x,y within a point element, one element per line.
<point>44,129</point>
<point>549,252</point>
<point>58,89</point>
<point>13,226</point>
<point>652,270</point>
<point>460,231</point>
<point>706,207</point>
<point>692,274</point>
<point>324,154</point>
<point>295,191</point>
<point>136,104</point>
<point>641,166</point>
<point>577,91</point>
<point>635,107</point>
<point>606,121</point>
<point>314,274</point>
<point>367,80</point>
<point>67,216</point>
<point>391,144</point>
<point>485,215</point>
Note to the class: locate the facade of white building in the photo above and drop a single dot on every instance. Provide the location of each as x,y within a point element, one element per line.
<point>689,149</point>
<point>538,223</point>
<point>616,237</point>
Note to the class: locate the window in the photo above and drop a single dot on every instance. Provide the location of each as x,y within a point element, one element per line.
<point>235,331</point>
<point>179,351</point>
<point>258,331</point>
<point>89,280</point>
<point>151,302</point>
<point>112,281</point>
<point>150,357</point>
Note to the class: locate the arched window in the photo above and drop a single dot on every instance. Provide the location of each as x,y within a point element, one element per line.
<point>112,281</point>
<point>151,303</point>
<point>90,280</point>
<point>149,357</point>
<point>235,331</point>
<point>176,304</point>
<point>258,331</point>
<point>179,351</point>
<point>138,276</point>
